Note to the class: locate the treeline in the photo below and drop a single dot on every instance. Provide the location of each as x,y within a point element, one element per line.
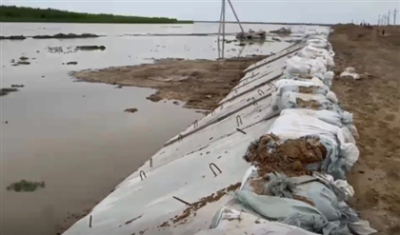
<point>27,14</point>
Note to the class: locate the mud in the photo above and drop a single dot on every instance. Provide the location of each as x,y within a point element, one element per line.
<point>289,157</point>
<point>200,83</point>
<point>310,104</point>
<point>191,210</point>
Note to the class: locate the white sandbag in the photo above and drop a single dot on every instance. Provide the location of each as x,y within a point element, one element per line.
<point>311,52</point>
<point>332,97</point>
<point>231,221</point>
<point>303,66</point>
<point>295,85</point>
<point>341,154</point>
<point>297,100</point>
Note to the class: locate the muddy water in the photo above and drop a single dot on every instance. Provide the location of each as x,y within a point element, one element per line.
<point>74,135</point>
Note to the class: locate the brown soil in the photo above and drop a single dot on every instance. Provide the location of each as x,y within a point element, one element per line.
<point>200,83</point>
<point>304,89</point>
<point>288,157</point>
<point>310,104</point>
<point>375,102</point>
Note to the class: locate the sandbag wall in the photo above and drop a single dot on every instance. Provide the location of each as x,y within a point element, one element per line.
<point>297,182</point>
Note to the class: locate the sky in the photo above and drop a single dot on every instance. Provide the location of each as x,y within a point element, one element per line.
<point>312,11</point>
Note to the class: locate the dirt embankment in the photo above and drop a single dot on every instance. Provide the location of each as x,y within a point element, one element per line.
<point>375,102</point>
<point>200,83</point>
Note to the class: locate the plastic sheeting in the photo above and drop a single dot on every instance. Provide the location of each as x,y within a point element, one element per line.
<point>350,72</point>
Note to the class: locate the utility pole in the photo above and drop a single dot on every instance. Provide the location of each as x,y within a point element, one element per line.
<point>223,28</point>
<point>388,20</point>
<point>379,19</point>
<point>394,16</point>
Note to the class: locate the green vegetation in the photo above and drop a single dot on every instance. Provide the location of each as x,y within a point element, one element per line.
<point>26,186</point>
<point>27,14</point>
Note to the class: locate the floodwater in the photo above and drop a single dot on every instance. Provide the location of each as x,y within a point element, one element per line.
<point>74,136</point>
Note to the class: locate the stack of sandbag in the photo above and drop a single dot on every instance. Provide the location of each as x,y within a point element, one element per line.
<point>298,177</point>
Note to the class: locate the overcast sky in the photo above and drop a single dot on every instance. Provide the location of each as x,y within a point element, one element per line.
<point>323,11</point>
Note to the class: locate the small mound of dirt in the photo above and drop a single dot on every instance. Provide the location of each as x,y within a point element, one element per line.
<point>310,104</point>
<point>291,156</point>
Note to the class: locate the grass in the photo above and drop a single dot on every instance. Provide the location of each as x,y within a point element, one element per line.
<point>26,186</point>
<point>27,14</point>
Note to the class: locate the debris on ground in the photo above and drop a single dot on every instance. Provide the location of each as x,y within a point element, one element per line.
<point>282,31</point>
<point>72,63</point>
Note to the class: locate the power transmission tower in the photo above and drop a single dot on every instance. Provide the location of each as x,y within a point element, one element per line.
<point>394,16</point>
<point>222,25</point>
<point>388,18</point>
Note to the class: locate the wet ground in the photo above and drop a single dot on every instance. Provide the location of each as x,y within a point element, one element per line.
<point>75,136</point>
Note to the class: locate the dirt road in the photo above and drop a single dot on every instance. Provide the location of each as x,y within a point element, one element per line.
<point>375,102</point>
<point>200,83</point>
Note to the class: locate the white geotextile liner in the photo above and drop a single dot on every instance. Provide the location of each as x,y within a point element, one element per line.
<point>341,154</point>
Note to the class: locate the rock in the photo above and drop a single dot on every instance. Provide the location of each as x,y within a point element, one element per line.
<point>176,102</point>
<point>154,98</point>
<point>23,58</point>
<point>72,63</point>
<point>361,172</point>
<point>119,86</point>
<point>17,86</point>
<point>131,110</point>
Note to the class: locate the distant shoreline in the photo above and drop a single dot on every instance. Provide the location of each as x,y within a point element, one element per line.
<point>271,23</point>
<point>13,14</point>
